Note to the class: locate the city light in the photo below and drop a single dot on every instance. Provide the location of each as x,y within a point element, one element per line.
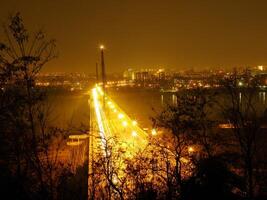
<point>134,123</point>
<point>191,149</point>
<point>124,123</point>
<point>74,143</point>
<point>115,180</point>
<point>120,116</point>
<point>102,47</point>
<point>111,105</point>
<point>83,136</point>
<point>154,132</point>
<point>134,134</point>
<point>100,90</point>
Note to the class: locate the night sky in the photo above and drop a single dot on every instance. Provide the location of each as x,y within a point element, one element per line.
<point>174,34</point>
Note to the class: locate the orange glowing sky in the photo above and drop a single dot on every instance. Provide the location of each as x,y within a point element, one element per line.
<point>149,33</point>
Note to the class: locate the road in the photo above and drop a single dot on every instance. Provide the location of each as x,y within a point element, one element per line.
<point>111,121</point>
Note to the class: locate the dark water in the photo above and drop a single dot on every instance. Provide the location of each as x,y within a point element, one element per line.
<point>140,105</point>
<point>69,109</point>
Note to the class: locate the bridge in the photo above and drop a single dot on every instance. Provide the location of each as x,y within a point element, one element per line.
<point>113,122</point>
<point>107,121</point>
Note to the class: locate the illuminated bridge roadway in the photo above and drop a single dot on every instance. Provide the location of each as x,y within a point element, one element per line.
<point>111,121</point>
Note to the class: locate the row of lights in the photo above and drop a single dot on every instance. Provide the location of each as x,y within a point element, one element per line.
<point>134,123</point>
<point>121,116</point>
<point>190,149</point>
<point>124,123</point>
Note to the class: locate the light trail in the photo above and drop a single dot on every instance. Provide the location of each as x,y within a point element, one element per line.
<point>114,122</point>
<point>99,118</point>
<point>124,121</point>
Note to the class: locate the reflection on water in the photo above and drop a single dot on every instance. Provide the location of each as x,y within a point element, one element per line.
<point>262,97</point>
<point>140,105</point>
<point>174,99</point>
<point>69,110</point>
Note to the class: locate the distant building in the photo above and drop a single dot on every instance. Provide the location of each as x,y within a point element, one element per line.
<point>129,74</point>
<point>144,74</point>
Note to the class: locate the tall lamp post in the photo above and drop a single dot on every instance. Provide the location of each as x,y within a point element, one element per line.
<point>91,178</point>
<point>96,73</point>
<point>103,72</point>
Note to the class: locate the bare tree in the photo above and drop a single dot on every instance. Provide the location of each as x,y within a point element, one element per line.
<point>201,108</point>
<point>109,164</point>
<point>32,147</point>
<point>178,128</point>
<point>246,121</point>
<point>141,175</point>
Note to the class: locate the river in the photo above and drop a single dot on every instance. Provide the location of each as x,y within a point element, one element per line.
<point>139,104</point>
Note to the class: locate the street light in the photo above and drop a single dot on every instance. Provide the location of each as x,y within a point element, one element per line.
<point>134,134</point>
<point>191,149</point>
<point>154,132</point>
<point>120,116</point>
<point>83,136</point>
<point>103,71</point>
<point>134,123</point>
<point>74,143</point>
<point>124,123</point>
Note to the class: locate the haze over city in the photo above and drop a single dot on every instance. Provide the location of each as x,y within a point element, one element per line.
<point>151,33</point>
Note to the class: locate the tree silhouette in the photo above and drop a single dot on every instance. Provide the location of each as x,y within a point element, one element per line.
<point>30,148</point>
<point>247,124</point>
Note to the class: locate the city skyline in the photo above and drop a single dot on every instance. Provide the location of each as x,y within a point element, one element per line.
<point>168,34</point>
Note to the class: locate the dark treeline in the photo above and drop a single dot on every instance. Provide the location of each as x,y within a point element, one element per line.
<point>32,156</point>
<point>193,156</point>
